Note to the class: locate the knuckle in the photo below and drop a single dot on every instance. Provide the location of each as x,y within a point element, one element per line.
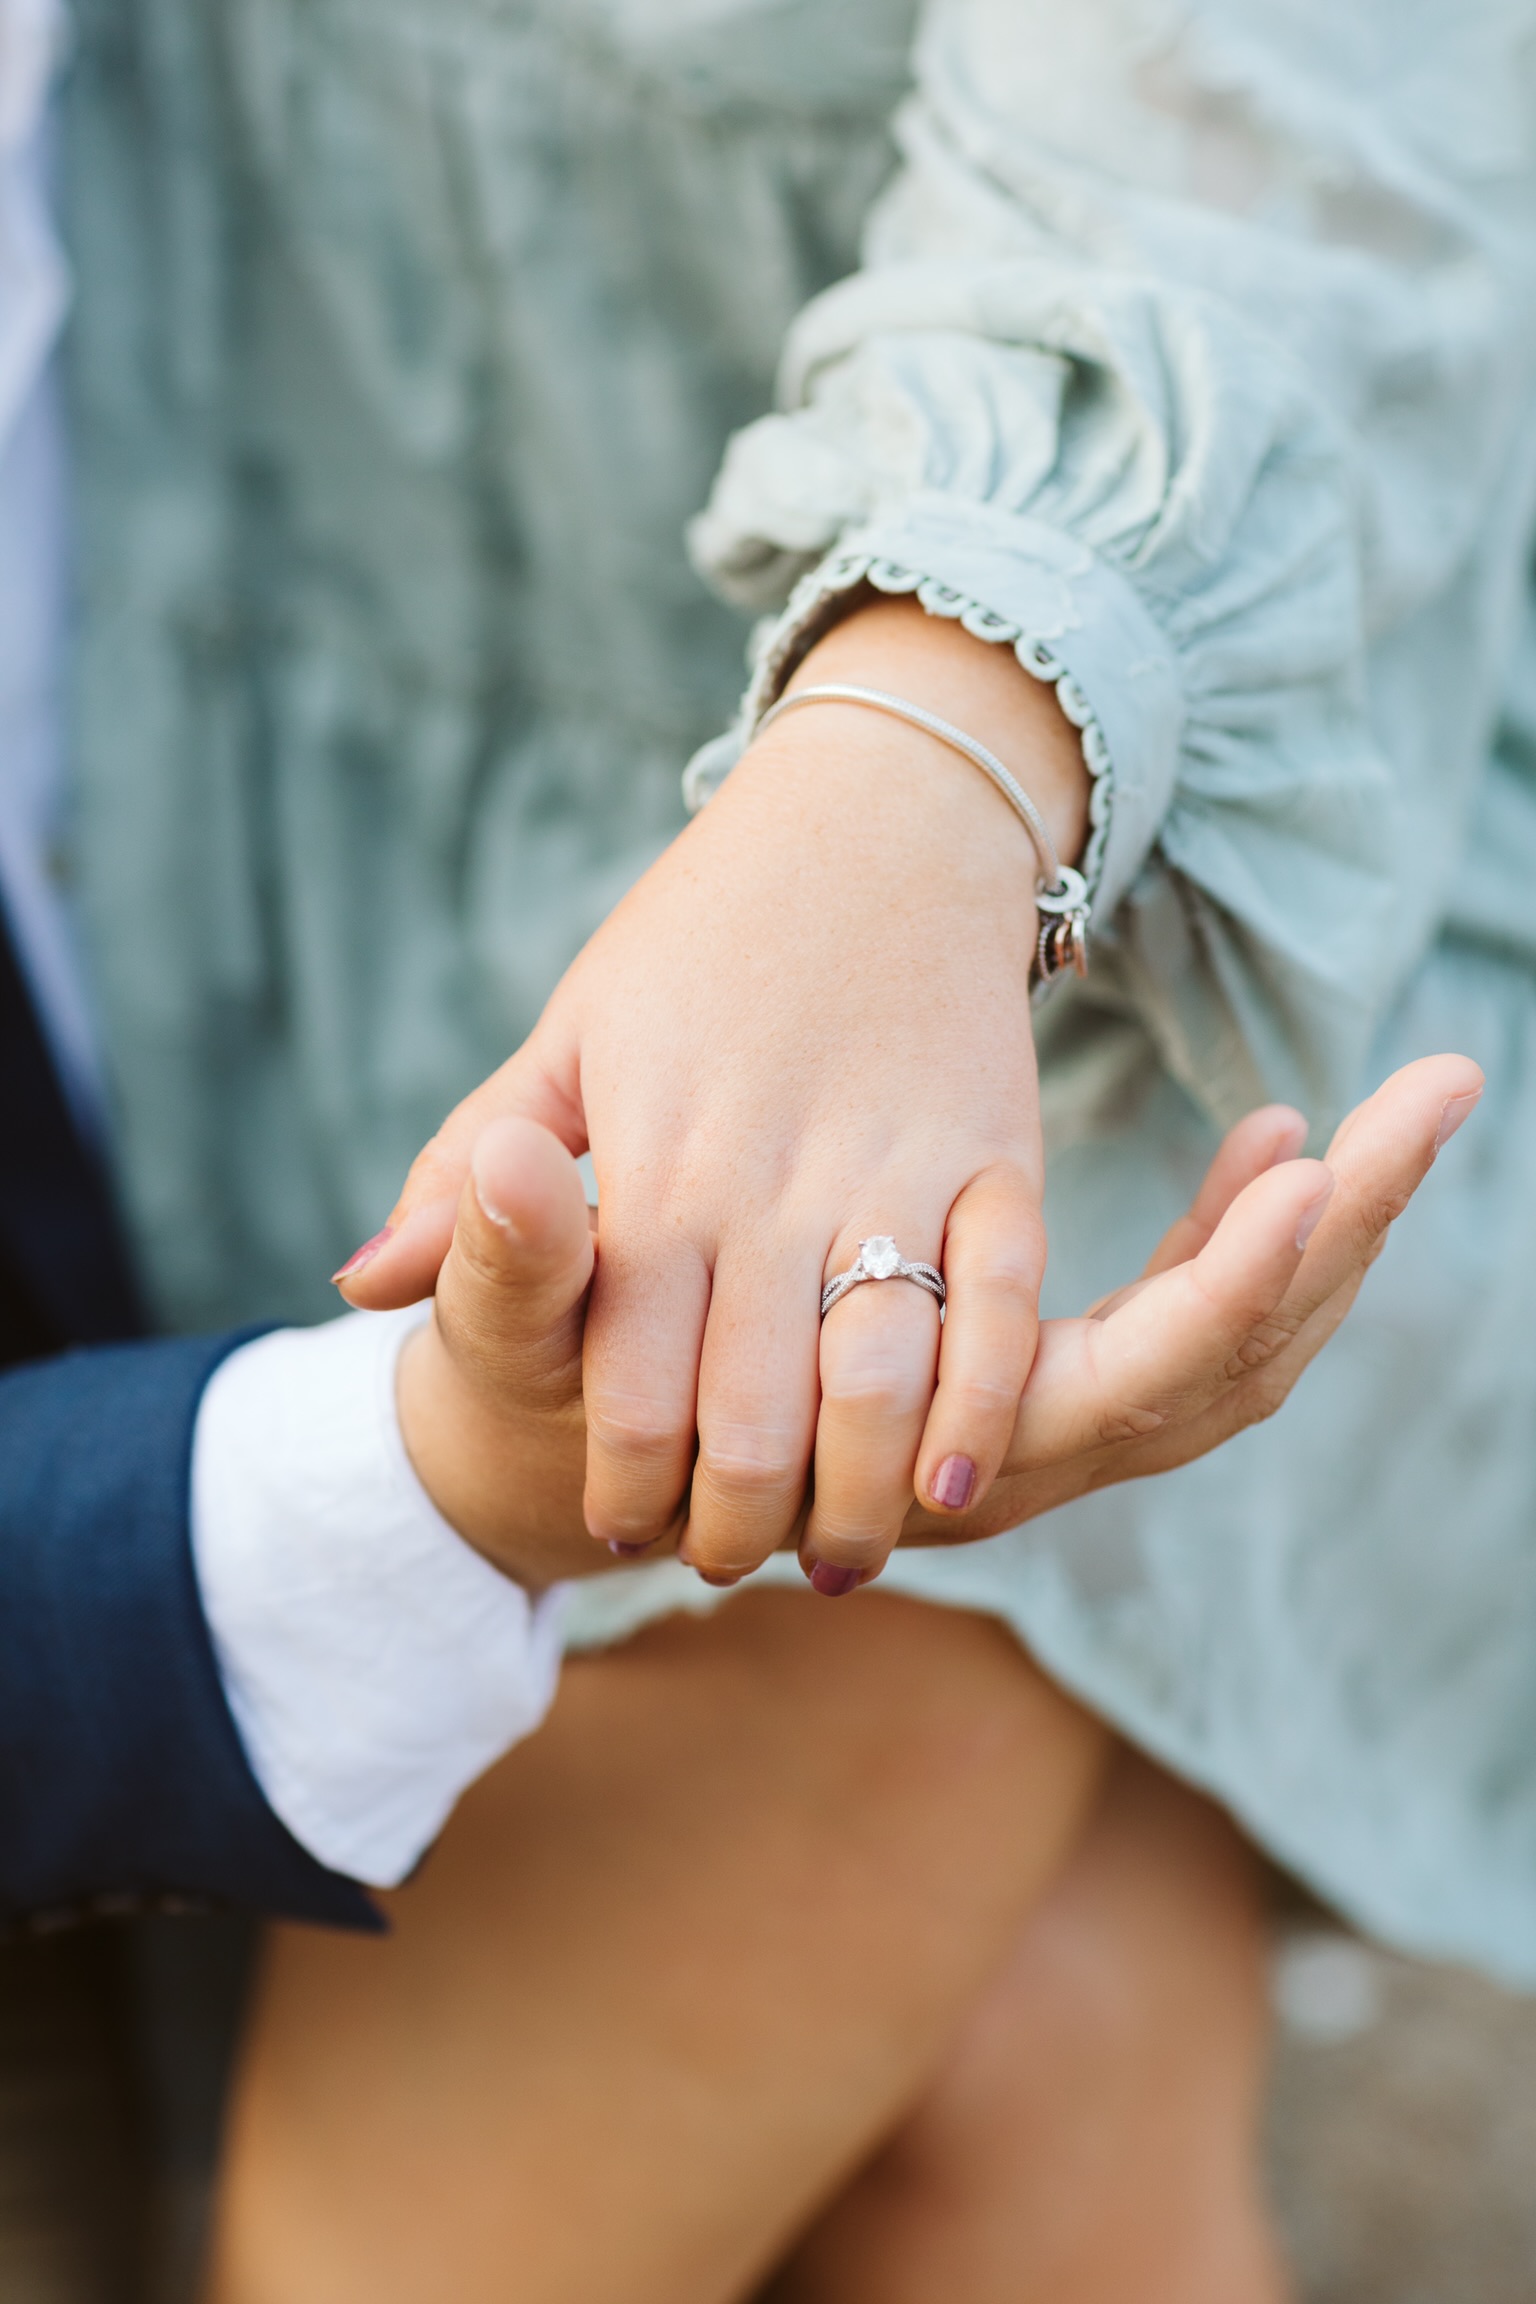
<point>1005,1259</point>
<point>1255,1402</point>
<point>1007,1248</point>
<point>544,1371</point>
<point>1373,1235</point>
<point>1261,1344</point>
<point>876,1389</point>
<point>1002,1271</point>
<point>741,1475</point>
<point>977,1405</point>
<point>1007,1184</point>
<point>1378,1214</point>
<point>647,1433</point>
<point>1124,1420</point>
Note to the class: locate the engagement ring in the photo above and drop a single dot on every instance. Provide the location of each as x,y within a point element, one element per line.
<point>879,1258</point>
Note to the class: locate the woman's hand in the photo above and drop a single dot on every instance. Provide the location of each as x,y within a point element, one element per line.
<point>1210,1340</point>
<point>1240,1297</point>
<point>808,1023</point>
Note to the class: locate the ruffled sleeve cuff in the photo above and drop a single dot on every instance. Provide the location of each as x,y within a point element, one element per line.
<point>1142,497</point>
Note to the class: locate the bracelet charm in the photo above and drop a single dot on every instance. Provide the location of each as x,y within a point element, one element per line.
<point>1062,944</point>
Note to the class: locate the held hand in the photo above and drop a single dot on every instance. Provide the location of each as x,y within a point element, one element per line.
<point>489,1389</point>
<point>809,1023</point>
<point>1211,1339</point>
<point>1239,1299</point>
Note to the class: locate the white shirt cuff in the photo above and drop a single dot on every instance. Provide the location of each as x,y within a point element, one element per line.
<point>375,1665</point>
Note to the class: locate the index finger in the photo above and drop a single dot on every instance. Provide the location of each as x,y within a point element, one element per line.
<point>1165,1353</point>
<point>1087,1391</point>
<point>1380,1155</point>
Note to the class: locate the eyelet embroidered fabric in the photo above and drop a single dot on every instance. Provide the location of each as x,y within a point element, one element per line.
<point>779,646</point>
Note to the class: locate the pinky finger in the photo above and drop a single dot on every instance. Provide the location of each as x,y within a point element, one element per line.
<point>994,1259</point>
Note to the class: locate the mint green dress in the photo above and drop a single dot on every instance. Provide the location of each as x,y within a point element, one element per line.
<point>1185,347</point>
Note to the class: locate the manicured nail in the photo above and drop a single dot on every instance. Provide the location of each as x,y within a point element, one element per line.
<point>953,1483</point>
<point>1454,1114</point>
<point>832,1582</point>
<point>721,1583</point>
<point>364,1255</point>
<point>1313,1216</point>
<point>623,1551</point>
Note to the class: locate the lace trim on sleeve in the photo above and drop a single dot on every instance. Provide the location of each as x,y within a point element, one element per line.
<point>821,598</point>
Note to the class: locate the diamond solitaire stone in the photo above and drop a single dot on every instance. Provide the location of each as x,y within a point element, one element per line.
<point>880,1257</point>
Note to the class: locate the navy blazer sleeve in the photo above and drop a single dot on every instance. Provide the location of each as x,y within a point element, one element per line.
<point>122,1776</point>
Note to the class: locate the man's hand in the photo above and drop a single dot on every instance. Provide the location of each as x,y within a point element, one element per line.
<point>489,1390</point>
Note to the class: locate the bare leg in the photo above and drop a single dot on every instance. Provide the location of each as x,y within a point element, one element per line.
<point>674,1969</point>
<point>1092,2137</point>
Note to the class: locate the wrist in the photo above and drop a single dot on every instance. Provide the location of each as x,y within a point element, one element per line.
<point>876,831</point>
<point>981,688</point>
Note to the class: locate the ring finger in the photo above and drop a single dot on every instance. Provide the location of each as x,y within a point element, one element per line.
<point>879,1364</point>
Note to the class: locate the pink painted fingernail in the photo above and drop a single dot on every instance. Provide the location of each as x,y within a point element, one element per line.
<point>1313,1216</point>
<point>1455,1112</point>
<point>623,1551</point>
<point>364,1255</point>
<point>832,1582</point>
<point>953,1483</point>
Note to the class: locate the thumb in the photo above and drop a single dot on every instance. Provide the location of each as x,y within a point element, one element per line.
<point>400,1264</point>
<point>512,1289</point>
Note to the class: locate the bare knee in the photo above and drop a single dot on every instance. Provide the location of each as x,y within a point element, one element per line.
<point>1116,2056</point>
<point>891,1699</point>
<point>908,1758</point>
<point>682,1960</point>
<point>1133,2002</point>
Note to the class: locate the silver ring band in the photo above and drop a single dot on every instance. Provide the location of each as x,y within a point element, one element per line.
<point>879,1258</point>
